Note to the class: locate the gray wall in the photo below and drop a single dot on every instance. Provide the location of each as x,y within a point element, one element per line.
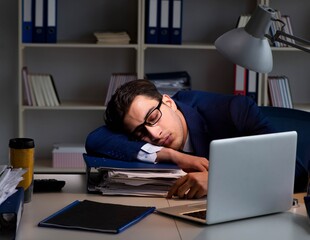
<point>8,74</point>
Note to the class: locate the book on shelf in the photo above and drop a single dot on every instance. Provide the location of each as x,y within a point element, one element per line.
<point>116,80</point>
<point>285,26</point>
<point>27,91</point>
<point>39,89</point>
<point>112,37</point>
<point>170,82</point>
<point>243,20</point>
<point>279,92</point>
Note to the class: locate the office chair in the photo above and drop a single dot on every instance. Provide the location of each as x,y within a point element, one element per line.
<point>286,119</point>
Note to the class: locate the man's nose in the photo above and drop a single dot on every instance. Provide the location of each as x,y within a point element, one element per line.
<point>154,131</point>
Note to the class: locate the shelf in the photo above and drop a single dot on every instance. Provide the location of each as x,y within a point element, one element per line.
<point>182,46</point>
<point>210,47</point>
<point>77,45</point>
<point>69,106</point>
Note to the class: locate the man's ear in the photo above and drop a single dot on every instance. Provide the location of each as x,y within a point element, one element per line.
<point>167,100</point>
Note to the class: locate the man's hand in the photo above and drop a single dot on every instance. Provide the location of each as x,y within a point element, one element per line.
<point>187,162</point>
<point>192,185</point>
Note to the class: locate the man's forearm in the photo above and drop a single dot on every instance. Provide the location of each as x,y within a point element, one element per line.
<point>185,161</point>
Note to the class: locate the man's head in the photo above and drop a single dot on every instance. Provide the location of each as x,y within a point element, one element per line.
<point>122,99</point>
<point>138,109</point>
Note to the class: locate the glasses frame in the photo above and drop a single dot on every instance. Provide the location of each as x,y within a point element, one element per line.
<point>141,128</point>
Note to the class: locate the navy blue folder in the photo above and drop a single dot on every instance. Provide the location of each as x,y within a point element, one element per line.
<point>51,21</point>
<point>11,211</point>
<point>164,17</point>
<point>39,26</point>
<point>27,23</point>
<point>176,22</point>
<point>101,162</point>
<point>96,216</point>
<point>152,11</point>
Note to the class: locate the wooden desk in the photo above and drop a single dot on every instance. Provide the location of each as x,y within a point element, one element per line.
<point>289,225</point>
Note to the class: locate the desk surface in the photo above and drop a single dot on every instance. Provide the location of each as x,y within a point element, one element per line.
<point>289,225</point>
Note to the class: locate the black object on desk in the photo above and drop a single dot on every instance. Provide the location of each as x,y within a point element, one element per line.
<point>96,216</point>
<point>48,185</point>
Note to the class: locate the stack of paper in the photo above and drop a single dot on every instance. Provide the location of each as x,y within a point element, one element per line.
<point>112,37</point>
<point>9,179</point>
<point>138,183</point>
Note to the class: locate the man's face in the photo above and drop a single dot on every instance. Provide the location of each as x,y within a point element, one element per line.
<point>170,130</point>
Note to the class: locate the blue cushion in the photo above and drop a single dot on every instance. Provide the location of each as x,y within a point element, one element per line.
<point>286,119</point>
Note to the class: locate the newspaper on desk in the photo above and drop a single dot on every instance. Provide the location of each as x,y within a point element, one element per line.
<point>138,183</point>
<point>9,179</point>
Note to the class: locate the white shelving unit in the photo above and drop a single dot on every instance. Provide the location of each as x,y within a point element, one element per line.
<point>82,69</point>
<point>292,62</point>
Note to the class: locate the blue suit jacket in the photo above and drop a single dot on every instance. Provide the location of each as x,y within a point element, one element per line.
<point>208,116</point>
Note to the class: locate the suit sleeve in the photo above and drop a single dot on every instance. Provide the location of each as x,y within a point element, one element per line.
<point>102,142</point>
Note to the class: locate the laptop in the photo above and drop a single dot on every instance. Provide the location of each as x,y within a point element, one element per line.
<point>248,177</point>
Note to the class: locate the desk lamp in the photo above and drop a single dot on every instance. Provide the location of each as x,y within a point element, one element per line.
<point>249,46</point>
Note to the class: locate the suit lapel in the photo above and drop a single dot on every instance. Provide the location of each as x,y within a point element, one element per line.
<point>198,130</point>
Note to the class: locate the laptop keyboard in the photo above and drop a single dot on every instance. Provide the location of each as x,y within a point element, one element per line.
<point>201,214</point>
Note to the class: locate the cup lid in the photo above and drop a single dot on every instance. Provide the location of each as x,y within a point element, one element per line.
<point>21,143</point>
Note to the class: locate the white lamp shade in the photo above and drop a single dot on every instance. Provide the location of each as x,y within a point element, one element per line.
<point>245,50</point>
<point>248,46</point>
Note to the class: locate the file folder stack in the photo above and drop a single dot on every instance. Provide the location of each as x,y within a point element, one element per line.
<point>39,21</point>
<point>170,82</point>
<point>115,177</point>
<point>163,21</point>
<point>11,201</point>
<point>138,183</point>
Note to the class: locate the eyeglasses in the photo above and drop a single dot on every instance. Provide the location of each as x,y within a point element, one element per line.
<point>150,120</point>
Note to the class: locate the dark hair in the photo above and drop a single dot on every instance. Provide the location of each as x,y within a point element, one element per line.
<point>122,99</point>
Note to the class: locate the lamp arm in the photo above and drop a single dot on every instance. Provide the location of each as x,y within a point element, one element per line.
<point>276,38</point>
